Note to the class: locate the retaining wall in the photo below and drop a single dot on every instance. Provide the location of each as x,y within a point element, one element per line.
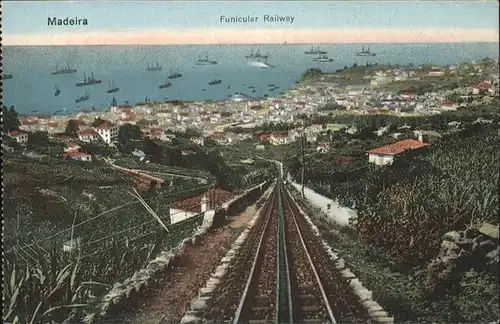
<point>238,204</point>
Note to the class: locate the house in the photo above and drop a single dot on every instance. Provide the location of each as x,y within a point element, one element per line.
<point>484,86</point>
<point>88,135</point>
<point>448,105</point>
<point>436,72</point>
<point>322,148</point>
<point>280,138</point>
<point>20,136</point>
<point>385,154</point>
<point>108,132</point>
<point>79,156</point>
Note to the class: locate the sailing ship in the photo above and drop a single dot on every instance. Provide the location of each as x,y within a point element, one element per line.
<point>165,85</point>
<point>65,70</point>
<point>88,80</point>
<point>315,51</point>
<point>365,52</point>
<point>256,55</point>
<point>83,98</point>
<point>112,88</point>
<point>7,76</point>
<point>322,58</point>
<point>205,61</point>
<point>58,91</point>
<point>174,75</point>
<point>215,81</point>
<point>151,67</point>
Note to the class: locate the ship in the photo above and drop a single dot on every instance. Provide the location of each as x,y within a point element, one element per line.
<point>174,75</point>
<point>322,58</point>
<point>165,85</point>
<point>205,61</point>
<point>112,88</point>
<point>215,81</point>
<point>151,67</point>
<point>58,91</point>
<point>256,55</point>
<point>65,70</point>
<point>84,98</point>
<point>365,52</point>
<point>7,76</point>
<point>315,51</point>
<point>88,81</point>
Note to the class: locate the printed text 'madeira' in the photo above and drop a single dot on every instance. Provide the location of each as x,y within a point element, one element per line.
<point>66,21</point>
<point>252,19</point>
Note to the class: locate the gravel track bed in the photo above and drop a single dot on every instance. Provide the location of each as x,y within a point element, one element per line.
<point>230,291</point>
<point>302,279</point>
<point>345,304</point>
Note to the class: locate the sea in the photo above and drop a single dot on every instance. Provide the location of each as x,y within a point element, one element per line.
<point>32,89</point>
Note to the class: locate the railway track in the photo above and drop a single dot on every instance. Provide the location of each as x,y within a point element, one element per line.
<point>283,275</point>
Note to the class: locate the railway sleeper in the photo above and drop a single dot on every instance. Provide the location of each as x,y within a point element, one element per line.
<point>311,309</point>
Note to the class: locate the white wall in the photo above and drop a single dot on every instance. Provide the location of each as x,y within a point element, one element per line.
<point>379,159</point>
<point>337,213</point>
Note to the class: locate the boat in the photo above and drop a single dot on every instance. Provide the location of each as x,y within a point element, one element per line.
<point>205,61</point>
<point>256,55</point>
<point>322,58</point>
<point>165,85</point>
<point>315,51</point>
<point>271,85</point>
<point>264,64</point>
<point>365,52</point>
<point>7,76</point>
<point>58,91</point>
<point>174,75</point>
<point>88,81</point>
<point>84,98</point>
<point>215,81</point>
<point>112,88</point>
<point>151,67</point>
<point>65,70</point>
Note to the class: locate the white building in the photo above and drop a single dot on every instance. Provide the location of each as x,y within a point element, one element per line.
<point>20,136</point>
<point>88,135</point>
<point>107,131</point>
<point>384,155</point>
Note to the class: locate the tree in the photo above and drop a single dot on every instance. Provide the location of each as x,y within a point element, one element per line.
<point>10,119</point>
<point>38,138</point>
<point>128,132</point>
<point>98,121</point>
<point>72,128</point>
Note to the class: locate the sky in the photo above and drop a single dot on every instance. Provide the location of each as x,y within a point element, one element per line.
<point>192,22</point>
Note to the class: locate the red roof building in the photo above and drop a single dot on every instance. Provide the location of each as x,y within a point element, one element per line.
<point>385,154</point>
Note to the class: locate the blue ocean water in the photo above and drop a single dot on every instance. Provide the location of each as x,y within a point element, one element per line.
<point>31,90</point>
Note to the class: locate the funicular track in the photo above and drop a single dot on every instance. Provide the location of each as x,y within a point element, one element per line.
<point>284,275</point>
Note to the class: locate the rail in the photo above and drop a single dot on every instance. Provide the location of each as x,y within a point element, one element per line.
<point>324,296</point>
<point>258,255</point>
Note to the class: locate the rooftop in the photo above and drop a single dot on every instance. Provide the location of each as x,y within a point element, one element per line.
<point>398,147</point>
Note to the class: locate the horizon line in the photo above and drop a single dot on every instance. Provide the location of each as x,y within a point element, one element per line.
<point>234,36</point>
<point>277,43</point>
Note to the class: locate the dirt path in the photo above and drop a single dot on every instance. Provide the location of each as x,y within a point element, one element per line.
<point>168,303</point>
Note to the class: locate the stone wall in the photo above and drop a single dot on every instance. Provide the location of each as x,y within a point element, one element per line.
<point>239,204</point>
<point>471,251</point>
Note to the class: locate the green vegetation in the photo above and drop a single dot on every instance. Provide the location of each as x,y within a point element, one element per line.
<point>433,192</point>
<point>10,119</point>
<point>49,202</point>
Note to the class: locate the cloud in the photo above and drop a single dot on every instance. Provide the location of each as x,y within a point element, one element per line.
<point>257,36</point>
